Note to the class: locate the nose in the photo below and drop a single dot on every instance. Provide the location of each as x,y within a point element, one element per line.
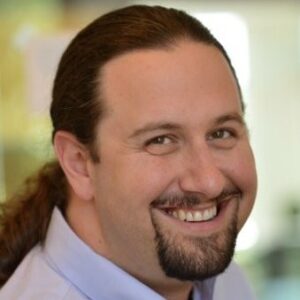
<point>202,173</point>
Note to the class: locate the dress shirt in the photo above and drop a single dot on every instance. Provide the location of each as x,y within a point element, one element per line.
<point>65,268</point>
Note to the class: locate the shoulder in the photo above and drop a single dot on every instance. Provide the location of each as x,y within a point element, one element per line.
<point>232,285</point>
<point>35,279</point>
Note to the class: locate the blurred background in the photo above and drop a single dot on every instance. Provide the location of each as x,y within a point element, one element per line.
<point>263,41</point>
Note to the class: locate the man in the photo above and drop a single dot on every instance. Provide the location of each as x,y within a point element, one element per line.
<point>155,176</point>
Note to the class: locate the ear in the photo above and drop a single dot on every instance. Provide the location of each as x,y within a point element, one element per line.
<point>74,159</point>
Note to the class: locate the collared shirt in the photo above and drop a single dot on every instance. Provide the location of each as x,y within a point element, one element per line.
<point>65,268</point>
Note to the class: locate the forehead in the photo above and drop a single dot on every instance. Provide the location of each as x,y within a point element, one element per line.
<point>160,81</point>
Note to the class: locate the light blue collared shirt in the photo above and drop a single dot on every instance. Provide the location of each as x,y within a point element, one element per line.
<point>65,268</point>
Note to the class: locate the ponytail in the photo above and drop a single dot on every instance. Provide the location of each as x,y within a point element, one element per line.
<point>24,218</point>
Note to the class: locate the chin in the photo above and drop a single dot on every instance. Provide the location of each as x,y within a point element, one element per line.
<point>191,258</point>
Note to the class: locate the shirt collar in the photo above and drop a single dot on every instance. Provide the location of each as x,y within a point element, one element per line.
<point>93,274</point>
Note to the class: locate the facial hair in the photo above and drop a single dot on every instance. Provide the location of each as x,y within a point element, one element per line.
<point>195,258</point>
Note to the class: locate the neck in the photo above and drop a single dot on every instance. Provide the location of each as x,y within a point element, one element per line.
<point>177,290</point>
<point>81,217</point>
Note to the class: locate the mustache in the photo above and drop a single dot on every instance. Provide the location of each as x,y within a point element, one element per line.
<point>193,199</point>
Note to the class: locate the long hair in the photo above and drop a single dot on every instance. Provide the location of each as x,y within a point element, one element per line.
<point>77,106</point>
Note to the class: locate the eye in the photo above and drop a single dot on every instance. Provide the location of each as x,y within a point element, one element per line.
<point>161,145</point>
<point>222,138</point>
<point>160,140</point>
<point>221,134</point>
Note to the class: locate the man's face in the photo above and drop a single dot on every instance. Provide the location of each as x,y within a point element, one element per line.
<point>176,179</point>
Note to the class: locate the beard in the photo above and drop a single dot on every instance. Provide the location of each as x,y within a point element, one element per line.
<point>195,258</point>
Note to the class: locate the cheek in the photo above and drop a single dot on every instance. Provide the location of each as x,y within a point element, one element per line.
<point>125,189</point>
<point>144,177</point>
<point>245,172</point>
<point>244,176</point>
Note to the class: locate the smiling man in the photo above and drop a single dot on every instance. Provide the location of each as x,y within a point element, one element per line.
<point>155,176</point>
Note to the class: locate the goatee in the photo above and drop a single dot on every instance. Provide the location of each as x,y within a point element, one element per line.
<point>195,258</point>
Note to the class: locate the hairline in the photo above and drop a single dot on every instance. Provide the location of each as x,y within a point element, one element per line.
<point>168,45</point>
<point>164,46</point>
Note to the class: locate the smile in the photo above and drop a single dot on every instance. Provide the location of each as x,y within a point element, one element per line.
<point>195,215</point>
<point>201,219</point>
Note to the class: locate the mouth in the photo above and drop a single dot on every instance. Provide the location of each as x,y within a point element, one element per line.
<point>204,217</point>
<point>193,215</point>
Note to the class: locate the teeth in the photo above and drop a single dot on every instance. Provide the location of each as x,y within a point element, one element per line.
<point>206,215</point>
<point>181,215</point>
<point>195,215</point>
<point>189,217</point>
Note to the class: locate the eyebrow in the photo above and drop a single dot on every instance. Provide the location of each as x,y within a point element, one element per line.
<point>236,117</point>
<point>152,126</point>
